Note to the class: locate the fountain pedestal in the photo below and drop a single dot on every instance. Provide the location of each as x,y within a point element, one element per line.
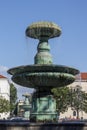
<point>43,108</point>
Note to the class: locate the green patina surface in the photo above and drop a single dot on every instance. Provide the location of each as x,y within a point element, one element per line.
<point>44,109</point>
<point>43,55</point>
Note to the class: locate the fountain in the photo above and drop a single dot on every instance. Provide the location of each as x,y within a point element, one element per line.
<point>43,75</point>
<point>26,106</point>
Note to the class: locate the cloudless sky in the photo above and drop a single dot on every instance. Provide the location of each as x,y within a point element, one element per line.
<point>69,49</point>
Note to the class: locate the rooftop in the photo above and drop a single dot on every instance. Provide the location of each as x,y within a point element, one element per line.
<point>84,76</point>
<point>1,76</point>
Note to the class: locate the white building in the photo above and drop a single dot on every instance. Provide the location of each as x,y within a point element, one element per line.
<point>82,82</point>
<point>5,92</point>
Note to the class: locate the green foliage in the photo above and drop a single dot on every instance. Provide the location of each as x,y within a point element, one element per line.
<point>13,97</point>
<point>78,100</point>
<point>4,105</point>
<point>74,98</point>
<point>84,102</point>
<point>61,96</point>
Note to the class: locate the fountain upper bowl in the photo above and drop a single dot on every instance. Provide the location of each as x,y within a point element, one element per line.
<point>43,29</point>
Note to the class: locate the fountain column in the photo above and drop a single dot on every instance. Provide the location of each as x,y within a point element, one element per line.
<point>43,103</point>
<point>43,55</point>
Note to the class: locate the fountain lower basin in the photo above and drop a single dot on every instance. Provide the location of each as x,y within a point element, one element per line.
<point>48,76</point>
<point>26,125</point>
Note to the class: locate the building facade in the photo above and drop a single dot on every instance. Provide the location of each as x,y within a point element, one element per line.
<point>81,82</point>
<point>4,92</point>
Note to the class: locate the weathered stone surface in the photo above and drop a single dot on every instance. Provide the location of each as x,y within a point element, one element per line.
<point>7,125</point>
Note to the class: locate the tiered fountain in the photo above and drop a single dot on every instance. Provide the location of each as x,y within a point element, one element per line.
<point>43,75</point>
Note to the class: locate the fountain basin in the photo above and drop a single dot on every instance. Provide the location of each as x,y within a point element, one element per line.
<point>44,76</point>
<point>26,125</point>
<point>40,29</point>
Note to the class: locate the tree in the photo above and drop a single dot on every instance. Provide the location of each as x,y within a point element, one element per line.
<point>4,105</point>
<point>84,102</point>
<point>13,97</point>
<point>78,100</point>
<point>62,98</point>
<point>69,97</point>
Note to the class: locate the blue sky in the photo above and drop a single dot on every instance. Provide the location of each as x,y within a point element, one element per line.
<point>69,49</point>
